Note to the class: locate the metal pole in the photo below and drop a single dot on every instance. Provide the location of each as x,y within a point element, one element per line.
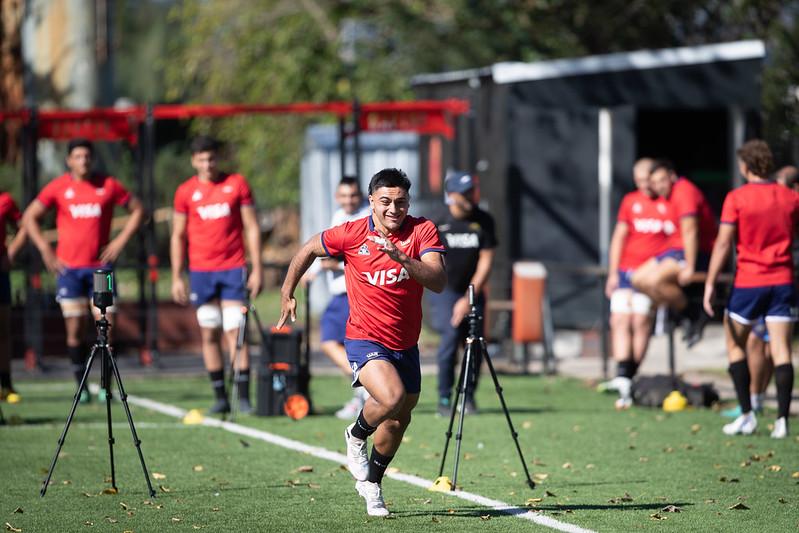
<point>356,123</point>
<point>605,178</point>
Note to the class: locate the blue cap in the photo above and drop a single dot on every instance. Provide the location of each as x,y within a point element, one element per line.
<point>460,182</point>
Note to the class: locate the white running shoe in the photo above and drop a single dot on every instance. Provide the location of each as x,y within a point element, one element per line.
<point>623,403</point>
<point>357,459</point>
<point>743,425</point>
<point>373,494</point>
<point>780,430</point>
<point>609,386</point>
<point>625,388</point>
<point>351,408</point>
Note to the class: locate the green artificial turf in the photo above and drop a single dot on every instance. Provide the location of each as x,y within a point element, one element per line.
<point>596,468</point>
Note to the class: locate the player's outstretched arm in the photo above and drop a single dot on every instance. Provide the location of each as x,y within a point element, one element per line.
<point>252,238</point>
<point>299,264</point>
<point>30,222</point>
<point>429,271</point>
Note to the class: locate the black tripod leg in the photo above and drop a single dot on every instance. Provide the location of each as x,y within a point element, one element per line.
<point>513,433</point>
<point>105,383</point>
<point>461,381</point>
<point>136,442</point>
<point>467,364</point>
<point>63,436</point>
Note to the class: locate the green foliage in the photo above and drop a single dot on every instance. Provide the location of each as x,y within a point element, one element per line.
<point>280,51</point>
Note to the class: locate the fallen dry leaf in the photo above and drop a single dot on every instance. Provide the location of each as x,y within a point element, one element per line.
<point>164,489</point>
<point>739,507</point>
<point>88,523</point>
<point>657,516</point>
<point>305,468</point>
<point>774,468</point>
<point>695,428</point>
<point>671,509</point>
<point>795,475</point>
<point>566,465</point>
<point>19,510</point>
<point>244,443</point>
<point>668,449</point>
<point>527,424</point>
<point>314,486</point>
<point>198,468</point>
<point>13,529</point>
<point>590,466</point>
<point>158,475</point>
<point>176,519</point>
<point>66,482</point>
<point>710,500</point>
<point>436,520</point>
<point>533,501</point>
<point>549,494</point>
<point>215,509</point>
<point>110,490</point>
<point>643,459</point>
<point>111,519</point>
<point>540,477</point>
<point>195,526</point>
<point>485,517</point>
<point>88,495</point>
<point>782,500</point>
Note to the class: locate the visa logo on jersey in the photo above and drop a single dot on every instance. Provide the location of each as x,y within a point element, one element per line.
<point>386,277</point>
<point>214,211</point>
<point>462,240</point>
<point>85,210</point>
<point>653,225</point>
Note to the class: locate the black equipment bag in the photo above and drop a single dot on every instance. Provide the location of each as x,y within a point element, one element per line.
<point>284,371</point>
<point>650,391</point>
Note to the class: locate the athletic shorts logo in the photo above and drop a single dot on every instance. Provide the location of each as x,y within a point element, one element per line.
<point>85,210</point>
<point>364,250</point>
<point>372,355</point>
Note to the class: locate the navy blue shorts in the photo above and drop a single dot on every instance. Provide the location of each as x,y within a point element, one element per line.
<point>360,352</point>
<point>626,279</point>
<point>777,303</point>
<point>5,288</point>
<point>76,283</point>
<point>217,284</point>
<point>678,254</point>
<point>334,320</point>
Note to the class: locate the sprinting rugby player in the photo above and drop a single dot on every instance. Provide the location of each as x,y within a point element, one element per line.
<point>215,215</point>
<point>9,217</point>
<point>762,215</point>
<point>84,203</point>
<point>333,323</point>
<point>642,231</point>
<point>663,277</point>
<point>390,258</point>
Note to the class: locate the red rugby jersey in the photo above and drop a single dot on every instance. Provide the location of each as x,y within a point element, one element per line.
<point>84,209</point>
<point>9,215</point>
<point>649,227</point>
<point>765,214</point>
<point>385,302</point>
<point>213,220</point>
<point>687,200</point>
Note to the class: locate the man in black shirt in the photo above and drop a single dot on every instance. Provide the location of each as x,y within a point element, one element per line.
<point>468,233</point>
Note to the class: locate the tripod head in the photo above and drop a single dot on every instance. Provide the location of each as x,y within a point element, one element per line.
<point>473,317</point>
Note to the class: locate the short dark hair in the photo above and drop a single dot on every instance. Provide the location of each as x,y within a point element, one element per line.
<point>662,164</point>
<point>757,157</point>
<point>204,143</point>
<point>351,181</point>
<point>80,143</point>
<point>389,177</point>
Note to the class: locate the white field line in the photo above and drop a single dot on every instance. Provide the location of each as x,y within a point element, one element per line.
<point>336,457</point>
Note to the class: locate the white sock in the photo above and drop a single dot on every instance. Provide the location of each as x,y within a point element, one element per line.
<point>757,400</point>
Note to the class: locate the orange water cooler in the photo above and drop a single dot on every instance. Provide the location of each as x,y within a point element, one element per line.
<point>532,320</point>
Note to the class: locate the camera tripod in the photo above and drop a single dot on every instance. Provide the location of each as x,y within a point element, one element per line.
<point>108,367</point>
<point>475,346</point>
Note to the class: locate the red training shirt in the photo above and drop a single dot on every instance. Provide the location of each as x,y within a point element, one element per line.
<point>9,216</point>
<point>83,215</point>
<point>213,223</point>
<point>765,214</point>
<point>649,227</point>
<point>385,302</point>
<point>687,200</point>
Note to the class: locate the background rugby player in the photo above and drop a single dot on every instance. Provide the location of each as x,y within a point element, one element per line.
<point>642,232</point>
<point>84,203</point>
<point>762,216</point>
<point>215,215</point>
